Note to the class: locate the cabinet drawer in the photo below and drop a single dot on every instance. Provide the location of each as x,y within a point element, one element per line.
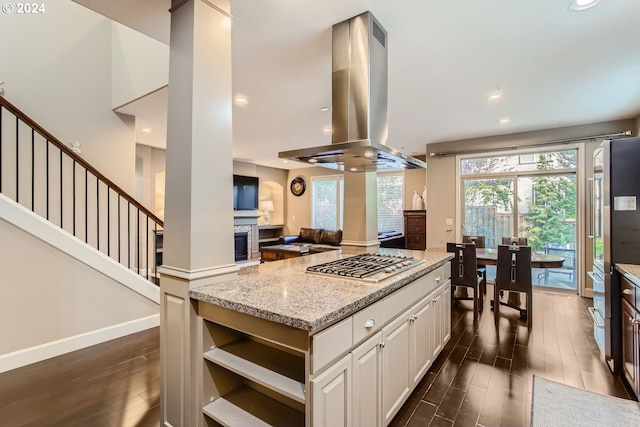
<point>442,274</point>
<point>419,238</point>
<point>415,222</point>
<point>330,343</point>
<point>368,321</point>
<point>408,295</point>
<point>416,246</point>
<point>629,292</point>
<point>416,229</point>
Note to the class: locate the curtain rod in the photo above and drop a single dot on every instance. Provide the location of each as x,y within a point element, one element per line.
<point>534,144</point>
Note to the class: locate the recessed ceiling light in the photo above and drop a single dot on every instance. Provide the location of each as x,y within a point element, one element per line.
<point>324,109</point>
<point>504,120</point>
<point>326,129</point>
<point>145,130</point>
<point>313,161</point>
<point>241,100</point>
<point>354,169</point>
<point>285,161</point>
<point>578,5</point>
<point>494,96</point>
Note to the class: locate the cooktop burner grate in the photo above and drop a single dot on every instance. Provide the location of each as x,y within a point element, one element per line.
<point>364,266</point>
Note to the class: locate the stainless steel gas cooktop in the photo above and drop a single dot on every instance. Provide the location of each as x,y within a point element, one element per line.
<point>367,267</point>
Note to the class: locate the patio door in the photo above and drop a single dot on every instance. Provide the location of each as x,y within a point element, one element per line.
<point>532,196</point>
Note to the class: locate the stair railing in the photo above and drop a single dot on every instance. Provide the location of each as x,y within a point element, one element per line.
<point>42,174</point>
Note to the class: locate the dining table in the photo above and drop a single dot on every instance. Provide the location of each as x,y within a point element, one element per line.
<point>489,256</point>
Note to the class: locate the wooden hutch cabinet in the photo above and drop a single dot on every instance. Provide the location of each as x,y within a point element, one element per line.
<point>415,230</point>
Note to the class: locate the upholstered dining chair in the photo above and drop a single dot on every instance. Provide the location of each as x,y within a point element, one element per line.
<point>464,272</point>
<point>513,273</point>
<point>520,241</point>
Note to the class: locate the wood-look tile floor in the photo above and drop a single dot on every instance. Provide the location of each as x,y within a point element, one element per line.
<point>482,378</point>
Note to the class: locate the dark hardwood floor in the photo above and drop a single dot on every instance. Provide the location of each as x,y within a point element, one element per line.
<point>111,384</point>
<point>482,378</point>
<point>484,375</point>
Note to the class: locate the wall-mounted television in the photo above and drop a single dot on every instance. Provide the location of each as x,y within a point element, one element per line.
<point>245,192</point>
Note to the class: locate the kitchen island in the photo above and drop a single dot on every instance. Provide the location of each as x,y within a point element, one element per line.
<point>284,347</point>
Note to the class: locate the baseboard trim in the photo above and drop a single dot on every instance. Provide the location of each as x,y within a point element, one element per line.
<point>48,350</point>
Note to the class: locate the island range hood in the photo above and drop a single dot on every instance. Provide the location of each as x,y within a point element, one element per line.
<point>359,104</point>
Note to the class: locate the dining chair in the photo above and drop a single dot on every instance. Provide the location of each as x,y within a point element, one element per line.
<point>476,240</point>
<point>479,242</point>
<point>520,241</point>
<point>464,272</point>
<point>513,273</point>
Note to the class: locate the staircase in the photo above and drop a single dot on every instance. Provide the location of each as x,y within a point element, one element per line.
<point>46,177</point>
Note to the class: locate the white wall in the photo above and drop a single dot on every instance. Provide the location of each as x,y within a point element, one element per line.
<point>57,69</point>
<point>140,65</point>
<point>51,302</point>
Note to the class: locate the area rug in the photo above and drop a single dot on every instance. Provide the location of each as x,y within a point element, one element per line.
<point>559,405</point>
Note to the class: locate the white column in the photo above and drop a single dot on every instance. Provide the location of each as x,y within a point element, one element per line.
<point>198,237</point>
<point>360,231</point>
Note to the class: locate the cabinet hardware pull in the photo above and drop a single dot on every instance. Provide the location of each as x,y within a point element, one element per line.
<point>369,323</point>
<point>438,278</point>
<point>381,345</point>
<point>627,291</point>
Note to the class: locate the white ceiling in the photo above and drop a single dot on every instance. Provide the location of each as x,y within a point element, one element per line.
<point>555,67</point>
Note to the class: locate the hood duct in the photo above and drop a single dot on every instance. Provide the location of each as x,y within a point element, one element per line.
<point>359,104</point>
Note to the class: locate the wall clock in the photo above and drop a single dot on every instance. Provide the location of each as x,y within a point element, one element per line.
<point>298,186</point>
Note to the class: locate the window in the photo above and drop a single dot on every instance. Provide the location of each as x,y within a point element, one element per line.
<point>328,195</point>
<point>530,195</point>
<point>390,201</point>
<point>326,199</point>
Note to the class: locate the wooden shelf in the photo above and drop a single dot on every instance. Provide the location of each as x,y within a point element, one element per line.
<point>277,370</point>
<point>269,233</point>
<point>246,407</point>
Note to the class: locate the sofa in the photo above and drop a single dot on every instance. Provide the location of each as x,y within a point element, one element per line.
<point>321,240</point>
<point>318,239</point>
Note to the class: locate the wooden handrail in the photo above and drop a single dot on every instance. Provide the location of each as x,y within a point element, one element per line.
<point>62,147</point>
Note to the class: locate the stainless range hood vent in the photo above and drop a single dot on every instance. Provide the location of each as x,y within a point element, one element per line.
<point>359,104</point>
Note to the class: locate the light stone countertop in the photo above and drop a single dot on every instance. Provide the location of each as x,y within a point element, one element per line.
<point>630,271</point>
<point>282,292</point>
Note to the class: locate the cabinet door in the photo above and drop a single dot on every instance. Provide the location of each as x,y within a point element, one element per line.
<point>331,394</point>
<point>436,316</point>
<point>395,366</point>
<point>366,362</point>
<point>446,312</point>
<point>630,344</point>
<point>420,333</point>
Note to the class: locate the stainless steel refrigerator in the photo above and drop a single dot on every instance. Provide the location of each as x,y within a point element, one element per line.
<point>615,223</point>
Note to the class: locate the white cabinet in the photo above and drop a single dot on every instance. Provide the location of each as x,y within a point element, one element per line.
<point>367,383</point>
<point>357,372</point>
<point>437,336</point>
<point>446,315</point>
<point>396,378</point>
<point>331,393</point>
<point>420,334</point>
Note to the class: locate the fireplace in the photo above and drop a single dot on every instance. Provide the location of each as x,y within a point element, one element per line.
<point>246,223</point>
<point>241,246</point>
